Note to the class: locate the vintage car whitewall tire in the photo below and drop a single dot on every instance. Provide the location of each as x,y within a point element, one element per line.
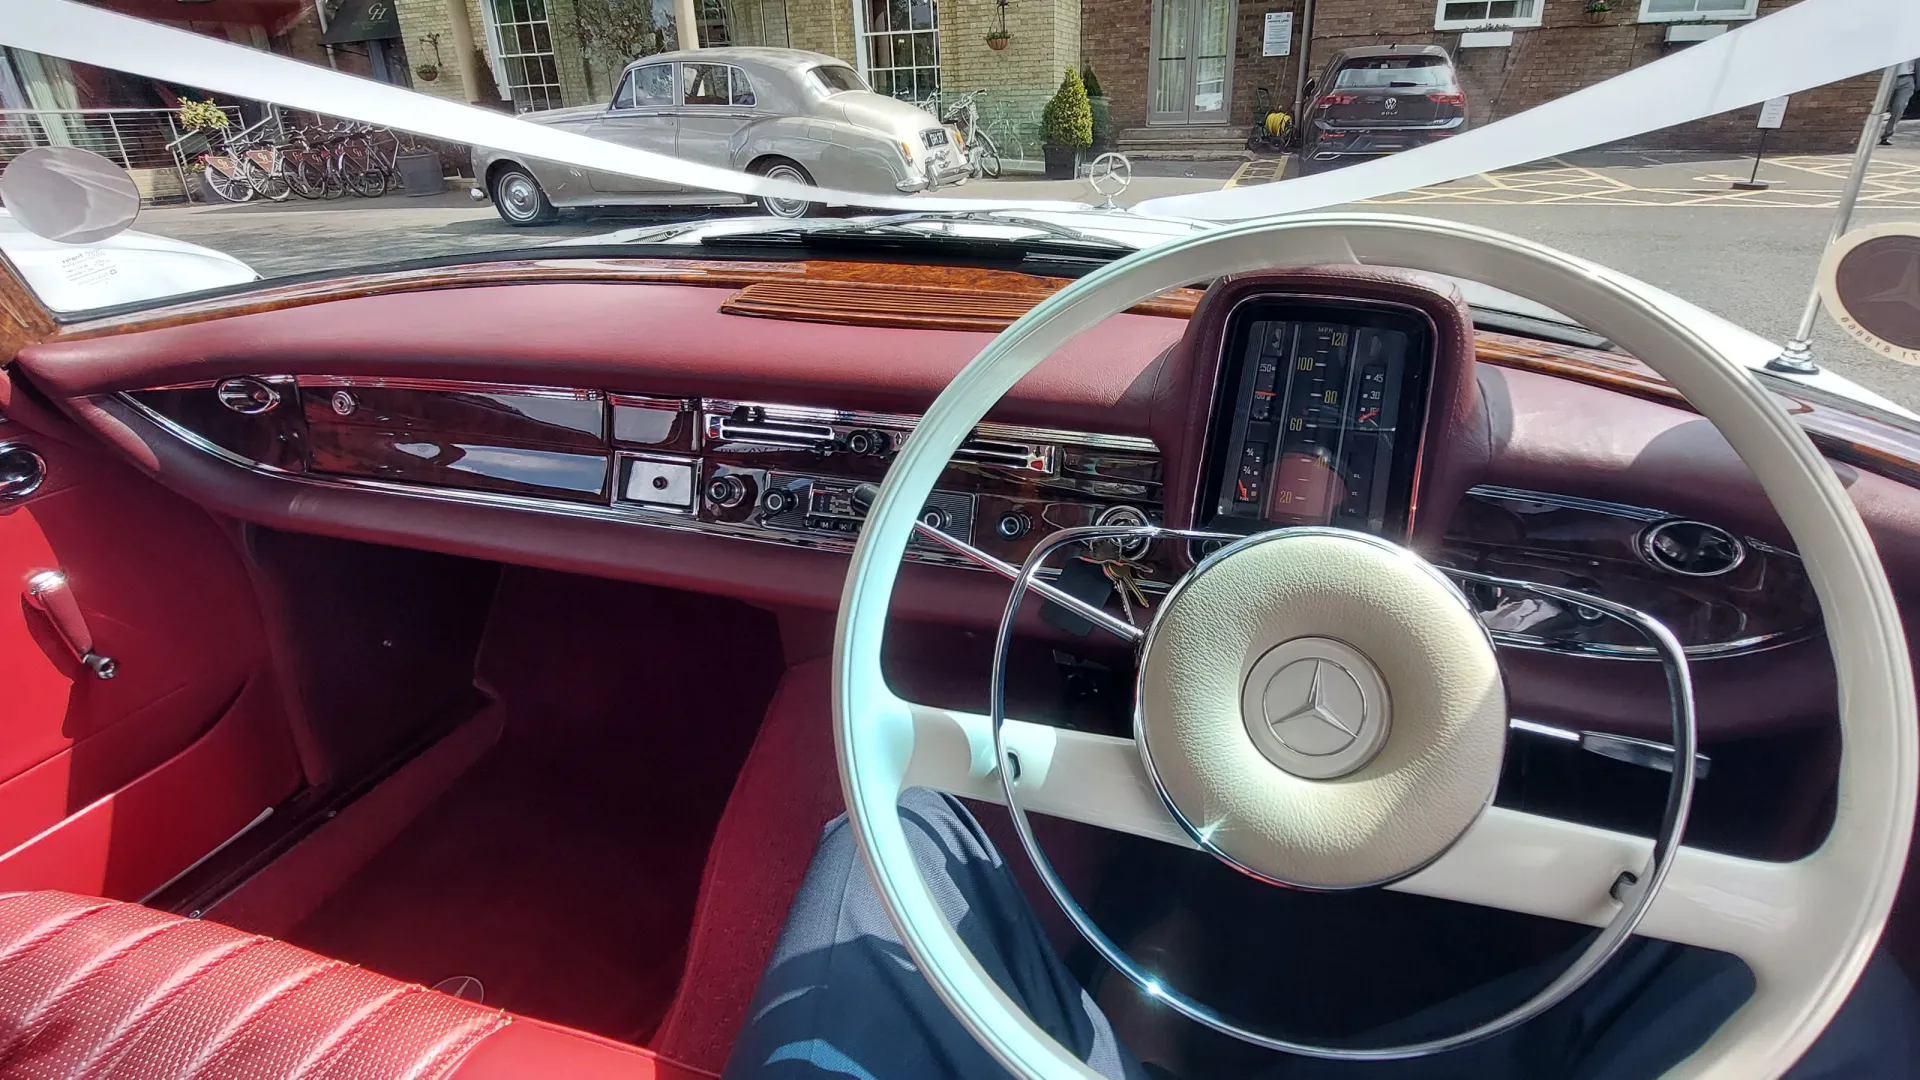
<point>793,172</point>
<point>518,197</point>
<point>1805,929</point>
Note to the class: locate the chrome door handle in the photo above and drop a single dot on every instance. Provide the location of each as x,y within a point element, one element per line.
<point>22,470</point>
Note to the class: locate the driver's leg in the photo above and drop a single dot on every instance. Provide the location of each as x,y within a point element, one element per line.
<point>840,998</point>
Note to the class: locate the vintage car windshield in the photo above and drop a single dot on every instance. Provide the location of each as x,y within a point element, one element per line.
<point>347,156</point>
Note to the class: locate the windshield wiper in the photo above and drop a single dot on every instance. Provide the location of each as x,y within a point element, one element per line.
<point>899,232</point>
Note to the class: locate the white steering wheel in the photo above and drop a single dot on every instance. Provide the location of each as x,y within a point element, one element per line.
<point>1805,928</point>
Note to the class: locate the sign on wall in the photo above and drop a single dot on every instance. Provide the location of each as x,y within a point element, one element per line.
<point>1278,40</point>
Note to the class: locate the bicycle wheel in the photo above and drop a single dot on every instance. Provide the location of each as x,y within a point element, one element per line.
<point>270,184</point>
<point>308,177</point>
<point>226,184</point>
<point>989,157</point>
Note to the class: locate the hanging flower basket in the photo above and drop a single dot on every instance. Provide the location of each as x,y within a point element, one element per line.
<point>1596,12</point>
<point>998,41</point>
<point>427,72</point>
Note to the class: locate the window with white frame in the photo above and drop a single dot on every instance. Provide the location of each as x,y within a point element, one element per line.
<point>1696,10</point>
<point>1468,14</point>
<point>900,47</point>
<point>523,57</point>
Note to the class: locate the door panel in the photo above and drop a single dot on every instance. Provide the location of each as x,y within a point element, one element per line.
<point>641,116</point>
<point>162,591</point>
<point>711,113</point>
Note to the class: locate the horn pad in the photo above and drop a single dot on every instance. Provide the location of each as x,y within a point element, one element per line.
<point>1321,709</point>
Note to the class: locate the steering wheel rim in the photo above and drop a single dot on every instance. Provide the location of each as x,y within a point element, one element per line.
<point>1806,928</point>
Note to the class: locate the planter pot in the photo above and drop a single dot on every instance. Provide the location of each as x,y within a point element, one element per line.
<point>427,76</point>
<point>421,174</point>
<point>1597,18</point>
<point>997,44</point>
<point>202,188</point>
<point>1063,162</point>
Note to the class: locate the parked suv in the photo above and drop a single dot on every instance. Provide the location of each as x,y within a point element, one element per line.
<point>1378,100</point>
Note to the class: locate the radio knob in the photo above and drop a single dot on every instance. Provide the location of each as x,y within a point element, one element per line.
<point>936,517</point>
<point>1012,525</point>
<point>780,501</point>
<point>726,491</point>
<point>860,441</point>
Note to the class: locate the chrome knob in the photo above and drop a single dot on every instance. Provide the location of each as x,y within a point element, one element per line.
<point>22,470</point>
<point>343,403</point>
<point>726,491</point>
<point>246,395</point>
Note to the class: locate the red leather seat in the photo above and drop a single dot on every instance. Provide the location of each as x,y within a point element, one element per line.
<point>99,988</point>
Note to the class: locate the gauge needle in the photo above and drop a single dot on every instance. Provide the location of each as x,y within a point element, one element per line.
<point>1366,415</point>
<point>1241,487</point>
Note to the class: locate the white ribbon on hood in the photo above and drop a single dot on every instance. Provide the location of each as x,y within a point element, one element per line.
<point>1812,43</point>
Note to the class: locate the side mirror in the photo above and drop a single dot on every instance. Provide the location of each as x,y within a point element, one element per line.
<point>69,195</point>
<point>1311,90</point>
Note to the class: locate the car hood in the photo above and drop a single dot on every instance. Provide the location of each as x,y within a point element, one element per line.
<point>1745,347</point>
<point>123,269</point>
<point>882,113</point>
<point>563,117</point>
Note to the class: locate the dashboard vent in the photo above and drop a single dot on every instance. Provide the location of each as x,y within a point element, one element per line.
<point>762,431</point>
<point>1691,548</point>
<point>1007,454</point>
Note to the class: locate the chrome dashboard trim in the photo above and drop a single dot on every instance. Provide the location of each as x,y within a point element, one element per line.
<point>626,515</point>
<point>1718,650</point>
<point>808,414</point>
<point>451,386</point>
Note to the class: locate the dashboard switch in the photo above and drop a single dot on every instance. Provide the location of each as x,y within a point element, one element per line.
<point>1012,525</point>
<point>780,501</point>
<point>726,491</point>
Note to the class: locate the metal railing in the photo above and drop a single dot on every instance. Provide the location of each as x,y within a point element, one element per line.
<point>131,138</point>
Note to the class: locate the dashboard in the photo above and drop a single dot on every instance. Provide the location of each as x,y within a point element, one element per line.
<point>1314,409</point>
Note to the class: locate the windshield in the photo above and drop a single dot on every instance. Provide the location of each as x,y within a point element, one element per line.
<point>833,78</point>
<point>1701,146</point>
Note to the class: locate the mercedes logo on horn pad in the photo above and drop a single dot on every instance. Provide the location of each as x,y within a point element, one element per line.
<point>1315,707</point>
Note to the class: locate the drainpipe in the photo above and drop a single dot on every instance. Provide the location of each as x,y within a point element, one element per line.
<point>687,23</point>
<point>464,58</point>
<point>320,11</point>
<point>1301,65</point>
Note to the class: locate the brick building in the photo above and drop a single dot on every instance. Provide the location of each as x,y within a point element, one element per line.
<point>912,49</point>
<point>1172,71</point>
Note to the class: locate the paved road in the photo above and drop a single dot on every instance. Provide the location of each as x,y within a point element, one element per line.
<point>1668,219</point>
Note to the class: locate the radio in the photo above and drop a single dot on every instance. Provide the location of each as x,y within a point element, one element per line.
<point>817,504</point>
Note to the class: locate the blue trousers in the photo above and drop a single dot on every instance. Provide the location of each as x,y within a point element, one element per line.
<point>841,999</point>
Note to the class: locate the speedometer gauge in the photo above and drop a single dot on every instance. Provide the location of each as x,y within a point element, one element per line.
<point>1317,405</point>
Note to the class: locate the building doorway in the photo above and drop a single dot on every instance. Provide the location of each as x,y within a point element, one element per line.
<point>1190,70</point>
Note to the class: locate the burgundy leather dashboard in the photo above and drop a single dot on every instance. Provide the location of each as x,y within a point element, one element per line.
<point>1132,376</point>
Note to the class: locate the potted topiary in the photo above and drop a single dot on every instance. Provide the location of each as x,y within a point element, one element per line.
<point>1597,11</point>
<point>1066,127</point>
<point>997,39</point>
<point>1102,114</point>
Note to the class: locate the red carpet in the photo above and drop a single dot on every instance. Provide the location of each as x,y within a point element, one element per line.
<point>562,869</point>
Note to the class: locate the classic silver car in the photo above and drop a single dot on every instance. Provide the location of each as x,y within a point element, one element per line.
<point>783,113</point>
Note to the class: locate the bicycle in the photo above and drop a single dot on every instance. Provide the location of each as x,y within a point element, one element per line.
<point>983,154</point>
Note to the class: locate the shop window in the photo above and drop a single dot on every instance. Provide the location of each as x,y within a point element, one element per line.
<point>1695,10</point>
<point>1471,14</point>
<point>743,22</point>
<point>900,47</point>
<point>524,64</point>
